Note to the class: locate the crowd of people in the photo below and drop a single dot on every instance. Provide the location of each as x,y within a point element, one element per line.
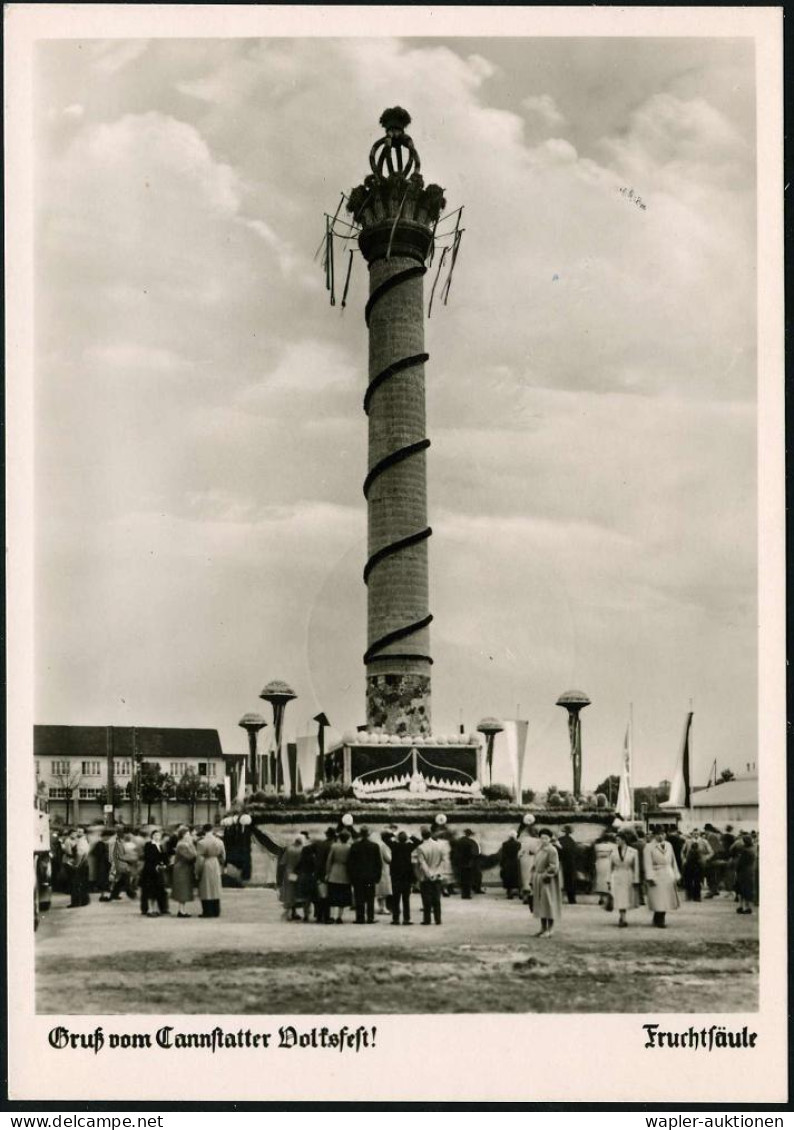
<point>145,866</point>
<point>319,877</point>
<point>348,868</point>
<point>628,868</point>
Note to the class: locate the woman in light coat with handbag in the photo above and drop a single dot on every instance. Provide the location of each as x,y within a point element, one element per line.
<point>337,875</point>
<point>546,892</point>
<point>661,876</point>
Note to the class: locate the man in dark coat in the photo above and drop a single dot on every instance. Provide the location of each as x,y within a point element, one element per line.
<point>566,848</point>
<point>322,905</point>
<point>468,851</point>
<point>508,865</point>
<point>364,865</point>
<point>401,870</point>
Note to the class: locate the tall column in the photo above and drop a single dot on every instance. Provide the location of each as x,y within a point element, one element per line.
<point>397,214</point>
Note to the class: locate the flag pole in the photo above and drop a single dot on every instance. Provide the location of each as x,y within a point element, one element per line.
<point>631,789</point>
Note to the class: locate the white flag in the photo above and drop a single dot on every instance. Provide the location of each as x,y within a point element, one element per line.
<point>241,785</point>
<point>624,805</point>
<point>227,791</point>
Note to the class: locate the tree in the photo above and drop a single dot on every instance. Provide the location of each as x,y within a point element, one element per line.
<point>69,782</point>
<point>527,796</point>
<point>103,795</point>
<point>188,790</point>
<point>151,782</point>
<point>609,788</point>
<point>726,775</point>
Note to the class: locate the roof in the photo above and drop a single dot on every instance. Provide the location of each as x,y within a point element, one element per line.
<point>742,790</point>
<point>152,743</point>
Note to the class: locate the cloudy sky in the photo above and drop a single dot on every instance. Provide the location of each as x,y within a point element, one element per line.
<point>200,442</point>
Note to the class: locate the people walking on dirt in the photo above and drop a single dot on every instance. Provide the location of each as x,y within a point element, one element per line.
<point>546,894</point>
<point>183,881</point>
<point>364,866</point>
<point>661,877</point>
<point>429,864</point>
<point>401,869</point>
<point>153,878</point>
<point>625,880</point>
<point>337,875</point>
<point>211,856</point>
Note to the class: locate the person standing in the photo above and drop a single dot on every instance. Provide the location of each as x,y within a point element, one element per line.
<point>364,865</point>
<point>337,875</point>
<point>625,882</point>
<point>640,845</point>
<point>603,849</point>
<point>547,898</point>
<point>695,854</point>
<point>729,860</point>
<point>121,868</point>
<point>746,861</point>
<point>152,882</point>
<point>567,852</point>
<point>183,872</point>
<point>661,876</point>
<point>402,874</point>
<point>288,880</point>
<point>323,908</point>
<point>529,847</point>
<point>101,853</point>
<point>508,865</point>
<point>383,891</point>
<point>429,864</point>
<point>78,857</point>
<point>468,852</point>
<point>211,856</point>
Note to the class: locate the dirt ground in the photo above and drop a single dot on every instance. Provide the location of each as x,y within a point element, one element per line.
<point>108,958</point>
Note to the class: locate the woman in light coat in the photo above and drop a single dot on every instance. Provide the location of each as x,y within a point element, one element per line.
<point>625,880</point>
<point>211,858</point>
<point>337,875</point>
<point>546,892</point>
<point>661,876</point>
<point>604,849</point>
<point>529,847</point>
<point>183,882</point>
<point>383,890</point>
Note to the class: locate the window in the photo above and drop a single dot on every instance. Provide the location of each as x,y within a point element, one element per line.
<point>88,794</point>
<point>61,768</point>
<point>59,794</point>
<point>178,769</point>
<point>91,769</point>
<point>202,769</point>
<point>121,768</point>
<point>210,768</point>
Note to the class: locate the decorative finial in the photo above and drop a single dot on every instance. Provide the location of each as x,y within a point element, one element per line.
<point>395,120</point>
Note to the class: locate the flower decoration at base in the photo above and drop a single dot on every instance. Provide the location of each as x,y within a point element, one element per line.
<point>529,819</point>
<point>347,820</point>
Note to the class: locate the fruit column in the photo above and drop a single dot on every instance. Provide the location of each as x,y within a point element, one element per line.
<point>397,214</point>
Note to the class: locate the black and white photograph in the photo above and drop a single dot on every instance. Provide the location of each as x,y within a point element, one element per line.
<point>403,488</point>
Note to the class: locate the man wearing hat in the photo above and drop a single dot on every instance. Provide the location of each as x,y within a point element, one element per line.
<point>430,863</point>
<point>364,865</point>
<point>401,869</point>
<point>566,849</point>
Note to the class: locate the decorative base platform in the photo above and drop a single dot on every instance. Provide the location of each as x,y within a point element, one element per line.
<point>384,766</point>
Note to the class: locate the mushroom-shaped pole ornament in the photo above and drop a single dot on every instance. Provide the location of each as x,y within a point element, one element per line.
<point>252,724</point>
<point>574,702</point>
<point>278,694</point>
<point>322,723</point>
<point>490,727</point>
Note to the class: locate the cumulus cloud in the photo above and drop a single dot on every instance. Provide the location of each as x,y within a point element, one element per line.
<point>591,384</point>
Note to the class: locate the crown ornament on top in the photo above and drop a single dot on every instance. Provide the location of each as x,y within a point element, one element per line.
<point>395,187</point>
<point>396,151</point>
